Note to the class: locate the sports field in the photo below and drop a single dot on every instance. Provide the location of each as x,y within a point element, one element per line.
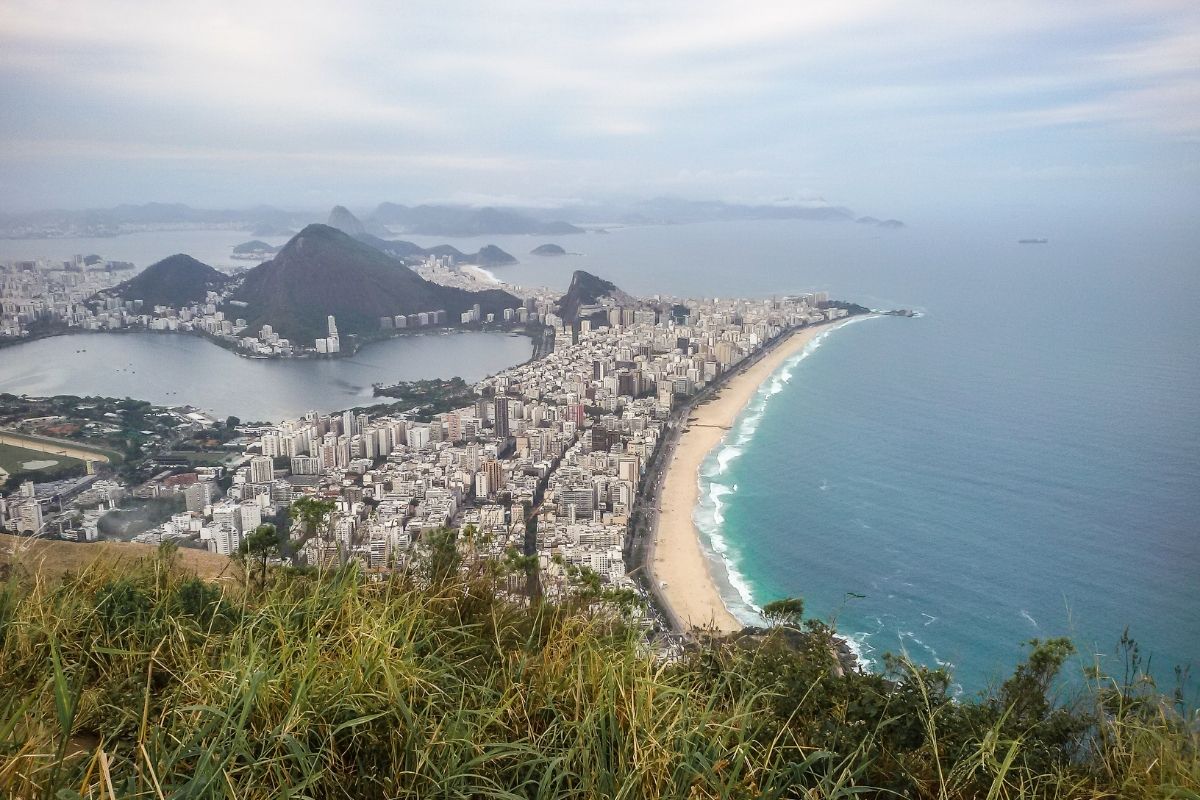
<point>19,459</point>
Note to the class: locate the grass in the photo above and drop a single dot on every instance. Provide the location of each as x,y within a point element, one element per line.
<point>138,680</point>
<point>12,458</point>
<point>51,559</point>
<point>112,455</point>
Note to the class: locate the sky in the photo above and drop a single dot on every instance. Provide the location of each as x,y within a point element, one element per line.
<point>902,108</point>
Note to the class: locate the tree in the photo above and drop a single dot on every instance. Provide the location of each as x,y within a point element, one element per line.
<point>260,546</point>
<point>786,611</point>
<point>1025,696</point>
<point>232,422</point>
<point>311,513</point>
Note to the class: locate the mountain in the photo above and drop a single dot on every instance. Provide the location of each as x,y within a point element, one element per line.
<point>177,280</point>
<point>322,271</point>
<point>465,221</point>
<point>548,250</point>
<point>341,218</point>
<point>588,290</point>
<point>488,256</point>
<point>395,248</point>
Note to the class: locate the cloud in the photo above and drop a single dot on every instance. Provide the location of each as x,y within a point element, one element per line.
<point>736,99</point>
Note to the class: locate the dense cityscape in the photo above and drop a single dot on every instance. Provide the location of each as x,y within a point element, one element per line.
<point>548,461</point>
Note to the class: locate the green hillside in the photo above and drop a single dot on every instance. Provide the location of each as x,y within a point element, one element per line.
<point>141,681</point>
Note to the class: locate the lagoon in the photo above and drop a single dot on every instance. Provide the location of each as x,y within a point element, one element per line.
<point>182,369</point>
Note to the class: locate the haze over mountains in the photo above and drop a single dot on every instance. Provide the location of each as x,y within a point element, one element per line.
<point>345,221</point>
<point>448,220</point>
<point>324,271</point>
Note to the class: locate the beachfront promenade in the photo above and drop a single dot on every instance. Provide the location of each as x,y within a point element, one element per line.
<point>680,574</point>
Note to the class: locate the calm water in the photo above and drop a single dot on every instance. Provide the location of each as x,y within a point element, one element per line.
<point>1022,461</point>
<point>178,369</point>
<point>141,249</point>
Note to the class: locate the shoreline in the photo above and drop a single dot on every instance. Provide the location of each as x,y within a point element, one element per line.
<point>357,346</point>
<point>675,554</point>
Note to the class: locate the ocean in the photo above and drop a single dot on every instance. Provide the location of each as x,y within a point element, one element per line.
<point>1022,460</point>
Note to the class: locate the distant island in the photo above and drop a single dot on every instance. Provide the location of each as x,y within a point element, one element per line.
<point>255,250</point>
<point>491,256</point>
<point>880,223</point>
<point>548,250</point>
<point>1032,241</point>
<point>391,219</point>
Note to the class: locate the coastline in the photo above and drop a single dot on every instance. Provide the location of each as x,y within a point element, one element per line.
<point>675,555</point>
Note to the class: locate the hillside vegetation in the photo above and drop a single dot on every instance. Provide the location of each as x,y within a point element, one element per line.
<point>177,280</point>
<point>144,681</point>
<point>322,271</point>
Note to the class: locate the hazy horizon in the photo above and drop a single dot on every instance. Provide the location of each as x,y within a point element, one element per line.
<point>883,107</point>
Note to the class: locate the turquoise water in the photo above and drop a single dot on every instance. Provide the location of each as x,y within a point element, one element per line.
<point>1023,464</point>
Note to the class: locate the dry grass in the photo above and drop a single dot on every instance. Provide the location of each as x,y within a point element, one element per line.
<point>52,558</point>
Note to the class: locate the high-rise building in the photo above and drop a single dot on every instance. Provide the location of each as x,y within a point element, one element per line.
<point>418,438</point>
<point>627,469</point>
<point>197,496</point>
<point>306,465</point>
<point>261,469</point>
<point>250,515</point>
<point>495,475</point>
<point>502,417</point>
<point>29,516</point>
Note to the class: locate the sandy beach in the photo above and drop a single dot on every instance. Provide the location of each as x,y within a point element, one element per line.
<point>677,559</point>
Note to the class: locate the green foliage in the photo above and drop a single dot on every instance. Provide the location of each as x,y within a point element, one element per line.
<point>142,681</point>
<point>120,605</point>
<point>786,611</point>
<point>260,546</point>
<point>442,560</point>
<point>201,601</point>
